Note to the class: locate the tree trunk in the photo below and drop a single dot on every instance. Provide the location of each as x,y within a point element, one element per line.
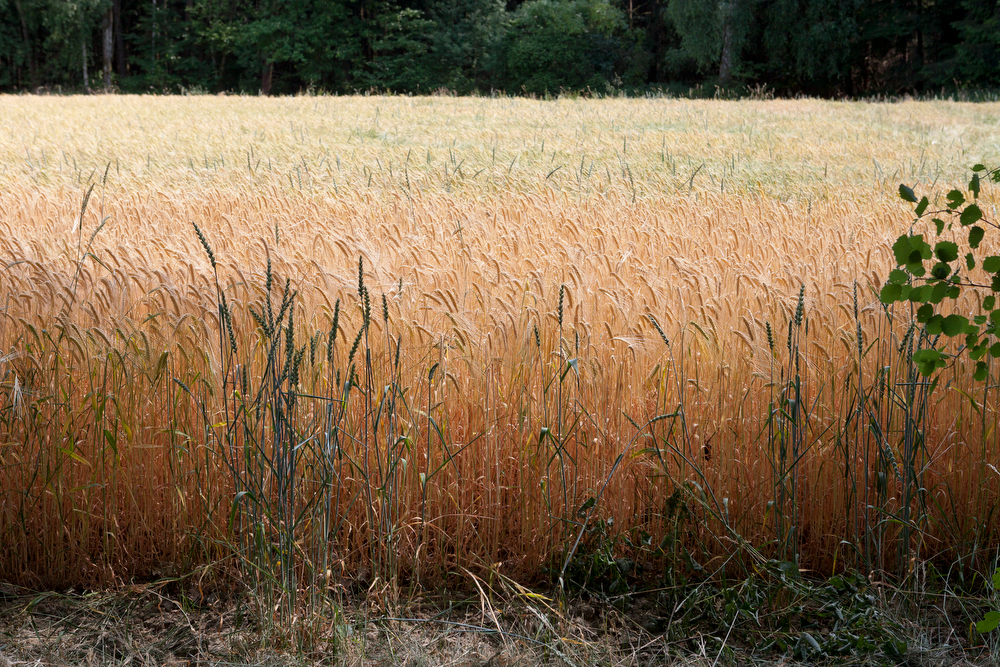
<point>116,7</point>
<point>86,75</point>
<point>726,59</point>
<point>265,79</point>
<point>109,47</point>
<point>27,45</point>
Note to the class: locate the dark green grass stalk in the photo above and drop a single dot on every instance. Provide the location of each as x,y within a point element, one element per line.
<point>283,450</point>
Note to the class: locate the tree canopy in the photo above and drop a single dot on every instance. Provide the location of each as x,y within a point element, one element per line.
<point>817,47</point>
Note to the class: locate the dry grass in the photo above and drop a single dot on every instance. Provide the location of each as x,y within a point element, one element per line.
<point>108,469</point>
<point>147,626</point>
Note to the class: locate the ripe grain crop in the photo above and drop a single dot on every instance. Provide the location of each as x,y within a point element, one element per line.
<point>567,312</point>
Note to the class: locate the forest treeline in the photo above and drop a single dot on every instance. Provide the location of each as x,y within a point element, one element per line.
<point>815,47</point>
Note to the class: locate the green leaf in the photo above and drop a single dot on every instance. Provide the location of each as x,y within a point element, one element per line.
<point>995,350</point>
<point>898,277</point>
<point>996,579</point>
<point>891,293</point>
<point>921,207</point>
<point>939,225</point>
<point>934,325</point>
<point>989,623</point>
<point>906,193</point>
<point>924,313</point>
<point>975,236</point>
<point>979,167</point>
<point>894,647</point>
<point>941,270</point>
<point>955,325</point>
<point>902,249</point>
<point>989,302</point>
<point>918,250</point>
<point>955,199</point>
<point>928,361</point>
<point>970,215</point>
<point>981,371</point>
<point>970,261</point>
<point>919,294</point>
<point>939,292</point>
<point>946,251</point>
<point>991,264</point>
<point>974,186</point>
<point>915,264</point>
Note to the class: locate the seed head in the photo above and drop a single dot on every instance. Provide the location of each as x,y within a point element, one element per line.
<point>801,308</point>
<point>204,243</point>
<point>562,293</point>
<point>659,329</point>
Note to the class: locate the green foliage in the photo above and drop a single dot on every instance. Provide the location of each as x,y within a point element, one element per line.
<point>165,51</point>
<point>991,620</point>
<point>699,25</point>
<point>554,45</point>
<point>848,608</point>
<point>284,46</point>
<point>979,50</point>
<point>598,565</point>
<point>809,44</point>
<point>402,48</point>
<point>13,50</point>
<point>931,280</point>
<point>713,33</point>
<point>465,43</point>
<point>42,42</point>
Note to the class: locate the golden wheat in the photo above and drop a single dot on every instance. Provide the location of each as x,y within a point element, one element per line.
<point>470,215</point>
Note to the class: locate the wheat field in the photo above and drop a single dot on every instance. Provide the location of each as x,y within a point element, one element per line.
<point>568,312</point>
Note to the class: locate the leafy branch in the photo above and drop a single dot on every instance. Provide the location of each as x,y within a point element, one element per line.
<point>934,291</point>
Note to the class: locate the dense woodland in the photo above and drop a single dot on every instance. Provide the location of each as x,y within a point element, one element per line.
<point>816,47</point>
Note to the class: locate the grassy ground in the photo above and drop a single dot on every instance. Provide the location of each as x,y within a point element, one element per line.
<point>629,348</point>
<point>149,626</point>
